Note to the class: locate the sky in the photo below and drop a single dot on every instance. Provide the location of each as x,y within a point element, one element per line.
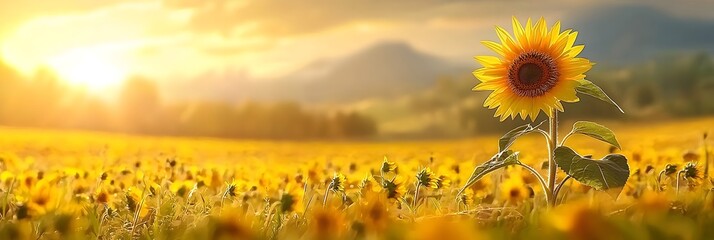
<point>100,43</point>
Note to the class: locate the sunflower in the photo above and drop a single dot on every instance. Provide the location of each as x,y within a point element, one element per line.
<point>425,177</point>
<point>326,223</point>
<point>337,182</point>
<point>394,188</point>
<point>291,199</point>
<point>536,70</point>
<point>514,190</point>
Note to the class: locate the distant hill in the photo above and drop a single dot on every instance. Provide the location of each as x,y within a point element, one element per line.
<point>630,34</point>
<point>379,71</point>
<point>382,70</point>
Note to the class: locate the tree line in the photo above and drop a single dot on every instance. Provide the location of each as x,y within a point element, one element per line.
<point>43,101</point>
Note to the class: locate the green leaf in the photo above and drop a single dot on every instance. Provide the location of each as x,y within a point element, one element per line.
<point>589,88</point>
<point>499,160</point>
<point>596,131</point>
<point>610,173</point>
<point>507,140</point>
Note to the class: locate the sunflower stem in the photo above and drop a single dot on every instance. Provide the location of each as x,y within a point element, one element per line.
<point>327,193</point>
<point>552,144</point>
<point>706,156</point>
<point>678,177</point>
<point>416,196</point>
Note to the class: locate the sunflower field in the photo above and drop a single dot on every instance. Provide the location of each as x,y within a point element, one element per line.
<point>83,185</point>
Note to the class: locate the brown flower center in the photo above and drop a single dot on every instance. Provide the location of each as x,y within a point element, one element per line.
<point>532,74</point>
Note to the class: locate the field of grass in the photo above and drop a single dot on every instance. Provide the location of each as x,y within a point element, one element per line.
<point>82,185</point>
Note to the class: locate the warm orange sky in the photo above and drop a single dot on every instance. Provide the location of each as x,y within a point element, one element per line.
<point>99,43</point>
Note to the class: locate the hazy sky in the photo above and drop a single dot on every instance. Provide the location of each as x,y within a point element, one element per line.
<point>99,43</point>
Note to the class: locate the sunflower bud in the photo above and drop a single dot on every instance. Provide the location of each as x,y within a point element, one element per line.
<point>337,182</point>
<point>427,178</point>
<point>388,166</point>
<point>670,169</point>
<point>691,171</point>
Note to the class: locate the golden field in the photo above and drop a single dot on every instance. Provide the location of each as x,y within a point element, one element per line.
<point>84,185</point>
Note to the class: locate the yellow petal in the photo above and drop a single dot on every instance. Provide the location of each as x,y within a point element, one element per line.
<point>518,31</point>
<point>575,50</point>
<point>506,39</point>
<point>529,35</point>
<point>554,33</point>
<point>495,47</point>
<point>488,61</point>
<point>571,39</point>
<point>540,32</point>
<point>489,74</point>
<point>565,91</point>
<point>492,85</point>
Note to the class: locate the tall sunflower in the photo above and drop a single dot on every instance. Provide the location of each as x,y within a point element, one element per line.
<point>536,69</point>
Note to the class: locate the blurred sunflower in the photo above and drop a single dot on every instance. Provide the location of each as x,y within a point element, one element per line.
<point>135,201</point>
<point>43,198</point>
<point>337,182</point>
<point>514,190</point>
<point>443,181</point>
<point>425,177</point>
<point>374,212</point>
<point>692,174</point>
<point>394,188</point>
<point>367,185</point>
<point>104,197</point>
<point>326,223</point>
<point>291,199</point>
<point>388,166</point>
<point>181,188</point>
<point>537,69</point>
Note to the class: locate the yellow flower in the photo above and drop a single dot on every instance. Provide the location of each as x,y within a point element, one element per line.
<point>443,181</point>
<point>135,200</point>
<point>231,225</point>
<point>337,182</point>
<point>514,190</point>
<point>427,178</point>
<point>181,188</point>
<point>482,187</point>
<point>367,185</point>
<point>326,223</point>
<point>374,213</point>
<point>537,69</point>
<point>43,198</point>
<point>394,188</point>
<point>103,196</point>
<point>443,228</point>
<point>692,174</point>
<point>291,199</point>
<point>388,166</point>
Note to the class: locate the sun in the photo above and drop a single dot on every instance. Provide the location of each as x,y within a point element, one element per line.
<point>93,73</point>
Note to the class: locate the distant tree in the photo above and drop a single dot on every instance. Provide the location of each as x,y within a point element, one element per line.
<point>140,103</point>
<point>354,125</point>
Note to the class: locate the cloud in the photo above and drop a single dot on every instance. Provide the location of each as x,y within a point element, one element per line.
<point>183,38</point>
<point>276,19</point>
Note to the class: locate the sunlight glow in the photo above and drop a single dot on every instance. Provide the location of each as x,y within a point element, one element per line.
<point>91,72</point>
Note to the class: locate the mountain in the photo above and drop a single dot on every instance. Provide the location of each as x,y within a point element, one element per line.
<point>383,70</point>
<point>630,34</point>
